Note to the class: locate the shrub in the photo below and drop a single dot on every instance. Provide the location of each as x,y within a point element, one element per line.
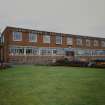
<point>62,62</point>
<point>66,62</point>
<point>4,65</point>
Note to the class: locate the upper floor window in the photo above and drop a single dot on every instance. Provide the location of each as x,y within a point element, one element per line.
<point>96,43</point>
<point>103,43</point>
<point>69,41</point>
<point>58,39</point>
<point>88,42</point>
<point>46,39</point>
<point>32,37</point>
<point>79,41</point>
<point>17,36</point>
<point>2,39</point>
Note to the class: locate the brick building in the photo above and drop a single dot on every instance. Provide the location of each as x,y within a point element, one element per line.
<point>42,47</point>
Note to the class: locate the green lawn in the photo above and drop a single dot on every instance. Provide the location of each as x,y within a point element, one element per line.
<point>45,85</point>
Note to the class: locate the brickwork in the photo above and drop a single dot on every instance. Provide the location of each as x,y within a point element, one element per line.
<point>34,59</point>
<point>8,37</point>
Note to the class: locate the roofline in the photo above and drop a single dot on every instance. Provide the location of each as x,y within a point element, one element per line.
<point>12,27</point>
<point>29,29</point>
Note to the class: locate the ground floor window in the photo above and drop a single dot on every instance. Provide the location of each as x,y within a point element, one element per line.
<point>100,52</point>
<point>54,52</point>
<point>16,50</point>
<point>88,52</point>
<point>30,51</point>
<point>23,51</point>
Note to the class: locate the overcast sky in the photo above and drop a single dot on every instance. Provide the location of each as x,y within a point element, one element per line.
<point>83,17</point>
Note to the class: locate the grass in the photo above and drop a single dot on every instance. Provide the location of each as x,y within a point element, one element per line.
<point>45,85</point>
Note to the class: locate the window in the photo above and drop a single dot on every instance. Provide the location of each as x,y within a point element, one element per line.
<point>103,43</point>
<point>69,41</point>
<point>46,51</point>
<point>20,50</point>
<point>81,52</point>
<point>32,37</point>
<point>43,52</point>
<point>88,42</point>
<point>17,36</point>
<point>46,39</point>
<point>31,51</point>
<point>100,52</point>
<point>28,51</point>
<point>79,42</point>
<point>54,52</point>
<point>58,39</point>
<point>35,51</point>
<point>2,39</point>
<point>58,51</point>
<point>95,43</point>
<point>16,51</point>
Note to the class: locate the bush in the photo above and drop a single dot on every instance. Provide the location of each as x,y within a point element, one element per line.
<point>62,62</point>
<point>66,62</point>
<point>79,63</point>
<point>4,65</point>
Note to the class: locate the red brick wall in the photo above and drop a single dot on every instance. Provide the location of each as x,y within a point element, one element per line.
<point>25,41</point>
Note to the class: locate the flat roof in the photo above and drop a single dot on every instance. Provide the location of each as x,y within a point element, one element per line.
<point>48,32</point>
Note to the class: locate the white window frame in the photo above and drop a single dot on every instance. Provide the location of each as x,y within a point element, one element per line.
<point>88,42</point>
<point>69,41</point>
<point>79,41</point>
<point>46,39</point>
<point>32,35</point>
<point>17,33</point>
<point>103,43</point>
<point>60,39</point>
<point>54,51</point>
<point>96,43</point>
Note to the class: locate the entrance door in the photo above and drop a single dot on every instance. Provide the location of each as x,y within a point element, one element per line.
<point>70,55</point>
